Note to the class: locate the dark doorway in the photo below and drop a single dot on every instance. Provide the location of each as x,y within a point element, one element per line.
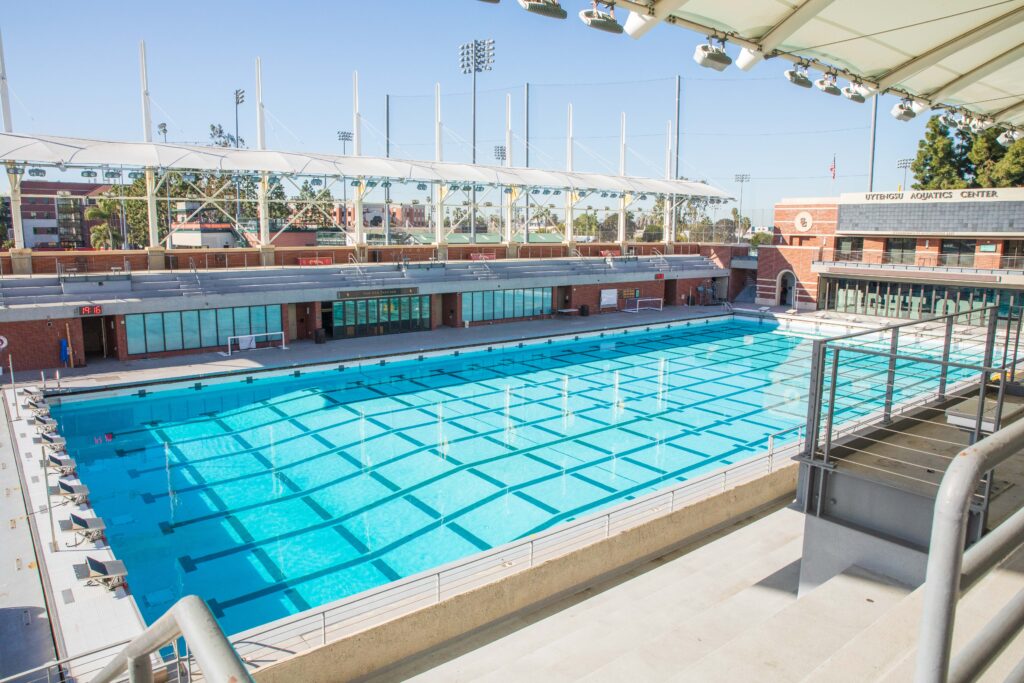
<point>327,317</point>
<point>93,336</point>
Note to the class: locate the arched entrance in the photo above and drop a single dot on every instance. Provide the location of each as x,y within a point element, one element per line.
<point>786,288</point>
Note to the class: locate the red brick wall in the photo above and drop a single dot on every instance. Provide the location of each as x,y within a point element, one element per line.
<point>436,311</point>
<point>684,291</point>
<point>824,217</point>
<point>289,256</point>
<point>35,344</point>
<point>773,260</point>
<point>595,248</point>
<point>395,254</point>
<point>722,254</point>
<point>542,251</point>
<point>591,294</point>
<point>206,259</point>
<point>462,252</point>
<point>989,259</point>
<point>927,252</point>
<point>5,263</point>
<point>451,310</point>
<point>45,262</point>
<point>874,247</point>
<point>686,248</point>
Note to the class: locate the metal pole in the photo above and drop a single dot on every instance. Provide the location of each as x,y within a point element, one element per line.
<point>387,153</point>
<point>508,164</point>
<point>943,374</point>
<point>439,236</point>
<point>472,198</point>
<point>890,379</point>
<point>49,505</point>
<point>622,171</point>
<point>261,143</point>
<point>568,236</point>
<point>526,125</point>
<point>147,136</point>
<point>831,406</point>
<point>871,150</point>
<point>14,386</point>
<point>357,150</point>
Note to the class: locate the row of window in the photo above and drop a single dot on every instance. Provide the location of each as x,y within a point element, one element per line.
<point>176,330</point>
<point>385,315</point>
<point>506,303</point>
<point>900,300</point>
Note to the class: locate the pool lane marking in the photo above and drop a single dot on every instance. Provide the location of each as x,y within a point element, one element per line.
<point>205,487</point>
<point>375,554</point>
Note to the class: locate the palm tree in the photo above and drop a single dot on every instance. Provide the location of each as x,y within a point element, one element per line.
<point>103,236</point>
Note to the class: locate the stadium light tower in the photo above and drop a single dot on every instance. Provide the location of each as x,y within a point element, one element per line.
<point>239,99</point>
<point>499,153</point>
<point>904,164</point>
<point>742,179</point>
<point>475,57</point>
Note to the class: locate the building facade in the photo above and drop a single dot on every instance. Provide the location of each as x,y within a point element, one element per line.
<point>896,254</point>
<point>53,213</point>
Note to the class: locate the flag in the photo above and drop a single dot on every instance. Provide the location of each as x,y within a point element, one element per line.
<point>832,168</point>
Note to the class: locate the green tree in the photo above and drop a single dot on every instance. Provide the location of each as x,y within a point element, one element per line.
<point>103,236</point>
<point>221,138</point>
<point>942,161</point>
<point>984,155</point>
<point>5,223</point>
<point>760,238</point>
<point>1009,170</point>
<point>107,211</point>
<point>585,224</point>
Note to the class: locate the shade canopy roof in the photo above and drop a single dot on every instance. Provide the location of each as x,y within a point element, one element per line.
<point>960,54</point>
<point>61,151</point>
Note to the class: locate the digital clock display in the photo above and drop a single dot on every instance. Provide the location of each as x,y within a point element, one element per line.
<point>90,310</point>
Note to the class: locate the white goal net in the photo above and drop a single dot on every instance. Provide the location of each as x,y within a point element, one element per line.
<point>642,304</point>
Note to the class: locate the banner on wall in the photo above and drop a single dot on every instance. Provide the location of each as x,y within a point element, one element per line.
<point>609,298</point>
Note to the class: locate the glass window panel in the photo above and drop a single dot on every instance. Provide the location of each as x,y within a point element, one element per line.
<point>135,328</point>
<point>154,332</point>
<point>172,331</point>
<point>208,327</point>
<point>241,315</point>
<point>190,329</point>
<point>350,313</point>
<point>488,305</point>
<point>225,325</point>
<point>361,312</point>
<point>517,302</point>
<point>258,319</point>
<point>404,306</point>
<point>372,311</point>
<point>510,303</point>
<point>546,307</point>
<point>478,306</point>
<point>499,305</point>
<point>274,318</point>
<point>425,309</point>
<point>467,306</point>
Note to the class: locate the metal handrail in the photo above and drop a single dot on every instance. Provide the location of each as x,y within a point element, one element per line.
<point>189,618</point>
<point>946,565</point>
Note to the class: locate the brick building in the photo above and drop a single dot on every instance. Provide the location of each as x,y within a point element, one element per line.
<point>53,213</point>
<point>896,254</point>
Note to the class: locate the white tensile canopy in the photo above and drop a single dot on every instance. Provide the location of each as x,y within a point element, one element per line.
<point>960,54</point>
<point>68,152</point>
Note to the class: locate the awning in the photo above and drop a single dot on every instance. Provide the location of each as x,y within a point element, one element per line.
<point>964,54</point>
<point>67,152</point>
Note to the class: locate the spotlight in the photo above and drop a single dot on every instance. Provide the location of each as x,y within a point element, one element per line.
<point>748,59</point>
<point>827,85</point>
<point>853,93</point>
<point>949,120</point>
<point>903,111</point>
<point>798,76</point>
<point>712,56</point>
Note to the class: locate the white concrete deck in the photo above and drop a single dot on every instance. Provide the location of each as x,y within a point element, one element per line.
<point>88,617</point>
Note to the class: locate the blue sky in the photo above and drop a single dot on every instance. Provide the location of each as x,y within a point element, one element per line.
<point>73,70</point>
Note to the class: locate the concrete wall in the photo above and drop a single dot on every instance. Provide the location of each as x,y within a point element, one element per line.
<point>382,646</point>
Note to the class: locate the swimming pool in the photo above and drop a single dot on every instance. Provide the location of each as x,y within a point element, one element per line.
<point>270,495</point>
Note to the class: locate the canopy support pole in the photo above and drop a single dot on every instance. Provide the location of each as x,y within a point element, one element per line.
<point>147,136</point>
<point>668,232</point>
<point>357,150</point>
<point>568,237</point>
<point>871,149</point>
<point>13,178</point>
<point>264,186</point>
<point>439,236</point>
<point>621,237</point>
<point>507,197</point>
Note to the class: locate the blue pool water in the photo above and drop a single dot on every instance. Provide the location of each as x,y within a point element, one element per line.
<point>270,496</point>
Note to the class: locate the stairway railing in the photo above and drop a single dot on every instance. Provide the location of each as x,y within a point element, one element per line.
<point>189,618</point>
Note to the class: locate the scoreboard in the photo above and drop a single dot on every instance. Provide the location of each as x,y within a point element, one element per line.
<point>90,310</point>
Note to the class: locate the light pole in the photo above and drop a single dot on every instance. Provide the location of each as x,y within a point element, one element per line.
<point>162,130</point>
<point>345,137</point>
<point>474,58</point>
<point>904,164</point>
<point>741,178</point>
<point>500,155</point>
<point>239,98</point>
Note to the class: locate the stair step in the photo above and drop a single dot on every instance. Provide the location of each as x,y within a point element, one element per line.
<point>800,637</point>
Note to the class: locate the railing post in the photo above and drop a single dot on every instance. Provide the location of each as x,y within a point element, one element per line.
<point>890,377</point>
<point>814,397</point>
<point>944,371</point>
<point>140,670</point>
<point>831,403</point>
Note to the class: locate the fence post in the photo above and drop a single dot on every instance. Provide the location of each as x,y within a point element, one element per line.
<point>814,397</point>
<point>890,378</point>
<point>943,373</point>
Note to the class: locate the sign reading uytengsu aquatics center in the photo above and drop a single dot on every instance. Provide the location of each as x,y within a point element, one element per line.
<point>925,196</point>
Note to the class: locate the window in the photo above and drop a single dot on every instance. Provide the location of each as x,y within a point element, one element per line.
<point>506,304</point>
<point>177,330</point>
<point>849,248</point>
<point>900,250</point>
<point>957,253</point>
